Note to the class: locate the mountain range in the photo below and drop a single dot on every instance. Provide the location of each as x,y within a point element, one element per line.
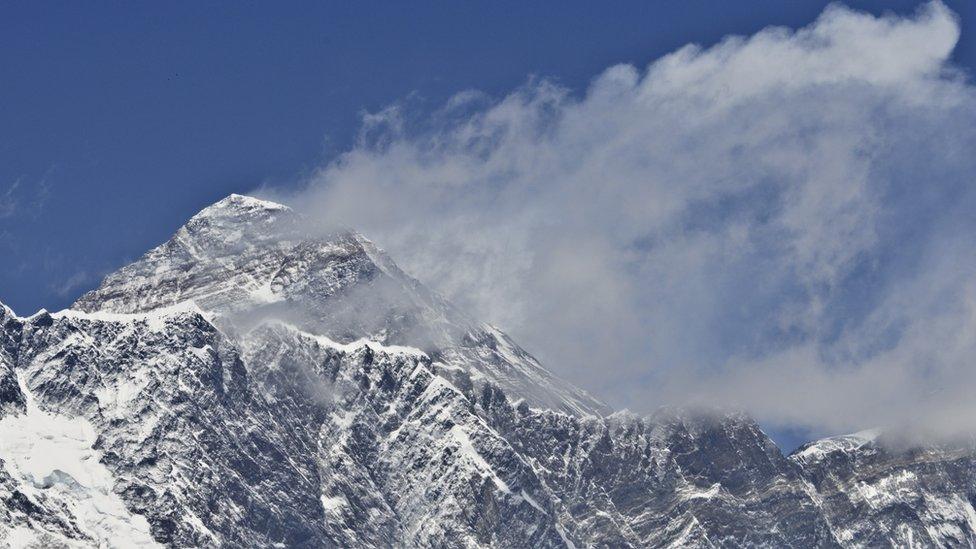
<point>261,381</point>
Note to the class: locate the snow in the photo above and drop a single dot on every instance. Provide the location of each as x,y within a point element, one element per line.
<point>202,353</point>
<point>22,538</point>
<point>194,520</point>
<point>693,492</point>
<point>52,454</point>
<point>414,481</point>
<point>119,395</point>
<point>844,443</point>
<point>562,534</point>
<point>967,509</point>
<point>685,538</point>
<point>155,320</point>
<point>239,201</point>
<point>333,505</point>
<point>468,451</point>
<point>264,294</point>
<point>355,345</point>
<point>251,202</point>
<point>345,420</point>
<point>533,502</point>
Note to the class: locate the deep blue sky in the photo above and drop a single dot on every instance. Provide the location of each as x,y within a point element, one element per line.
<point>120,120</point>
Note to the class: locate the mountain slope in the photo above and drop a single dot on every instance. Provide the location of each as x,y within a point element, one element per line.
<point>256,381</point>
<point>245,259</point>
<point>883,493</point>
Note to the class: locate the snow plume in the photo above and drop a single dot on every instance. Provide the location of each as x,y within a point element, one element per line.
<point>781,222</point>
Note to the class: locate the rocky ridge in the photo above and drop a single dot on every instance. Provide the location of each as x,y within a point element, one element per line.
<point>259,381</point>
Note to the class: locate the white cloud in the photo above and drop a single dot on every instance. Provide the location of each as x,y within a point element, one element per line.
<point>780,221</point>
<point>71,284</point>
<point>8,202</point>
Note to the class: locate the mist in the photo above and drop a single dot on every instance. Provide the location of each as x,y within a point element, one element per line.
<point>781,223</point>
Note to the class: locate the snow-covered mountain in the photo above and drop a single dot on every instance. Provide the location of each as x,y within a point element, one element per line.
<point>256,382</point>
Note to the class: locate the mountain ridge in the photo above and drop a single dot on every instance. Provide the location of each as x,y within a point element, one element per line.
<point>254,381</point>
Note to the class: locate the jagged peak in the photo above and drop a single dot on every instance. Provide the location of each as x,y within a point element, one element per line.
<point>817,449</point>
<point>213,241</point>
<point>237,204</point>
<point>241,200</point>
<point>6,311</point>
<point>244,258</point>
<point>269,221</point>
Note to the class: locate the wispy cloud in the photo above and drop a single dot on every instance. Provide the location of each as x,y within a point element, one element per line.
<point>19,199</point>
<point>72,283</point>
<point>781,221</point>
<point>8,200</point>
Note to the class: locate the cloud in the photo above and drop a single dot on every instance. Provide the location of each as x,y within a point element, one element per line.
<point>780,222</point>
<point>70,285</point>
<point>14,202</point>
<point>8,200</point>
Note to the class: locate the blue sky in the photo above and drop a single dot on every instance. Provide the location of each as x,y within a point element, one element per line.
<point>778,221</point>
<point>120,120</point>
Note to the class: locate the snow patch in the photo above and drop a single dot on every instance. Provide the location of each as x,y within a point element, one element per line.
<point>120,394</point>
<point>21,537</point>
<point>265,295</point>
<point>355,345</point>
<point>251,202</point>
<point>562,534</point>
<point>533,503</point>
<point>469,452</point>
<point>693,492</point>
<point>240,202</point>
<point>334,505</point>
<point>53,455</point>
<point>345,420</point>
<point>155,320</point>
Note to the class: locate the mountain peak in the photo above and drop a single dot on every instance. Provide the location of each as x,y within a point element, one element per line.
<point>242,202</point>
<point>820,449</point>
<point>248,261</point>
<point>236,210</point>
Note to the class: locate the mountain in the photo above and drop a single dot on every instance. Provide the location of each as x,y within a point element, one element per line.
<point>244,259</point>
<point>260,381</point>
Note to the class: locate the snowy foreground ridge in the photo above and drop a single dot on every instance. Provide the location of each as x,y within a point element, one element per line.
<point>255,383</point>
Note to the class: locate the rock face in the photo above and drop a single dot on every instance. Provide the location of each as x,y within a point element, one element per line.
<point>259,382</point>
<point>882,493</point>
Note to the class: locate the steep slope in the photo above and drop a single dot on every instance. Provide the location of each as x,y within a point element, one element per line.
<point>258,382</point>
<point>206,452</point>
<point>11,398</point>
<point>674,479</point>
<point>298,440</point>
<point>163,402</point>
<point>407,457</point>
<point>245,260</point>
<point>880,493</point>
